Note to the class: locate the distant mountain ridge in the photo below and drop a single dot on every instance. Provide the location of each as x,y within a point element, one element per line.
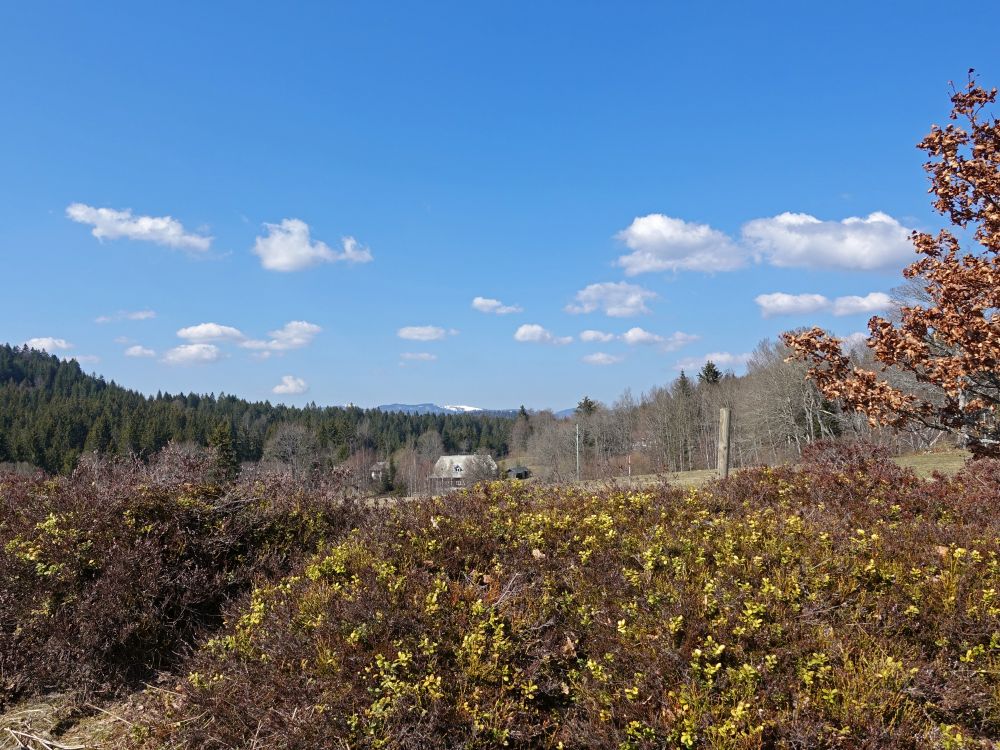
<point>435,409</point>
<point>460,409</point>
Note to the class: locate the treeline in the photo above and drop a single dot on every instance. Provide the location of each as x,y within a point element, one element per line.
<point>777,412</point>
<point>51,412</point>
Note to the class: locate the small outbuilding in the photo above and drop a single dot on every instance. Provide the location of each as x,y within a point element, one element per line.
<point>379,470</point>
<point>518,472</point>
<point>453,472</point>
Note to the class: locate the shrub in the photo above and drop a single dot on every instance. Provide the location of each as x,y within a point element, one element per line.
<point>847,604</point>
<point>106,576</point>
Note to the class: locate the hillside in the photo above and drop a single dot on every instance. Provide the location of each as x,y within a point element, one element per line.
<point>51,412</point>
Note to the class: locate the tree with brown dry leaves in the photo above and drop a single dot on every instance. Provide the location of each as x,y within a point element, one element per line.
<point>950,345</point>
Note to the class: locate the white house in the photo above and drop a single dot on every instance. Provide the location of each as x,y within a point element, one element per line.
<point>461,471</point>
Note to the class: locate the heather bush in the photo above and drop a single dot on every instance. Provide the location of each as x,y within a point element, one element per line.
<point>108,575</point>
<point>842,604</point>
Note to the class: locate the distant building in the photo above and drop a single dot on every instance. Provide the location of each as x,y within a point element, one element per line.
<point>379,470</point>
<point>518,472</point>
<point>452,472</point>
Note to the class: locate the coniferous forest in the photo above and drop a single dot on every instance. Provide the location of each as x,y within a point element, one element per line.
<point>51,412</point>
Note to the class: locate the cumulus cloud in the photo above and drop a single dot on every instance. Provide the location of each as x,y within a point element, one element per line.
<point>193,354</point>
<point>792,240</point>
<point>139,351</point>
<point>870,303</point>
<point>788,240</point>
<point>494,306</point>
<point>418,356</point>
<point>678,339</point>
<point>663,243</point>
<point>210,332</point>
<point>780,303</point>
<point>290,386</point>
<point>600,358</point>
<point>109,223</point>
<point>634,336</point>
<point>288,247</point>
<point>722,359</point>
<point>126,315</point>
<point>641,337</point>
<point>591,336</point>
<point>48,344</point>
<point>295,334</point>
<point>422,333</point>
<point>536,334</point>
<point>86,359</point>
<point>617,299</point>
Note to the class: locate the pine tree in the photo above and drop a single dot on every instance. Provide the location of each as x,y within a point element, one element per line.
<point>586,407</point>
<point>710,373</point>
<point>226,462</point>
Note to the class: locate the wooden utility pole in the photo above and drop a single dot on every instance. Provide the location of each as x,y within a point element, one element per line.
<point>578,451</point>
<point>724,434</point>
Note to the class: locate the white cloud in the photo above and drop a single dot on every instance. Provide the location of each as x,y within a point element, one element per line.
<point>788,240</point>
<point>290,386</point>
<point>722,359</point>
<point>663,243</point>
<point>638,336</point>
<point>139,351</point>
<point>617,299</point>
<point>418,356</point>
<point>109,223</point>
<point>209,332</point>
<point>495,306</point>
<point>791,240</point>
<point>48,344</point>
<point>870,303</point>
<point>591,335</point>
<point>422,333</point>
<point>634,336</point>
<point>600,358</point>
<point>86,359</point>
<point>678,339</point>
<point>780,303</point>
<point>288,247</point>
<point>295,334</point>
<point>126,315</point>
<point>535,334</point>
<point>192,354</point>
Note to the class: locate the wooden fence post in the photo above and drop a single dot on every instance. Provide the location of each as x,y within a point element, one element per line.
<point>724,433</point>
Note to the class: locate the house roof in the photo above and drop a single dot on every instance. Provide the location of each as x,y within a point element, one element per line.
<point>449,467</point>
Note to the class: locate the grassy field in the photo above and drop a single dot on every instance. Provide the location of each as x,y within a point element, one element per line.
<point>924,464</point>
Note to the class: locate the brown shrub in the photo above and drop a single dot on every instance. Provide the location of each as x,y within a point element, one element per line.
<point>107,576</point>
<point>844,605</point>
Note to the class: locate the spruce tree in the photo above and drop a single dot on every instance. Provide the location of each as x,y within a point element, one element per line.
<point>710,373</point>
<point>227,464</point>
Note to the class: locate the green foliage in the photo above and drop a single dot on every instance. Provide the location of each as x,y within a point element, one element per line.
<point>848,604</point>
<point>586,407</point>
<point>709,373</point>
<point>227,464</point>
<point>51,412</point>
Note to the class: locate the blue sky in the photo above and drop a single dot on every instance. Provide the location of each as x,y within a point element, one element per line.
<point>301,202</point>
